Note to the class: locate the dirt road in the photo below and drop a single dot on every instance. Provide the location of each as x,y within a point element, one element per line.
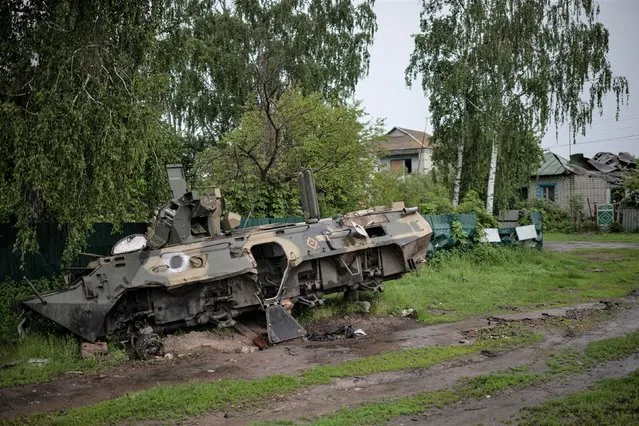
<point>383,334</point>
<point>577,245</point>
<point>322,400</point>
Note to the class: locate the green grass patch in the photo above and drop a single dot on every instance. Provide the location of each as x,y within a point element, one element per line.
<point>614,401</point>
<point>377,413</point>
<point>573,362</point>
<point>195,398</point>
<point>418,358</point>
<point>483,280</point>
<point>559,365</point>
<point>613,348</point>
<point>594,237</point>
<point>42,357</point>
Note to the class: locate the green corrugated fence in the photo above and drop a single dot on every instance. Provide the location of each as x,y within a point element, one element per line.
<point>48,260</point>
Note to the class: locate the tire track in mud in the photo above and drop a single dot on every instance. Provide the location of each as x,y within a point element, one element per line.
<point>506,407</point>
<point>325,399</point>
<point>395,334</point>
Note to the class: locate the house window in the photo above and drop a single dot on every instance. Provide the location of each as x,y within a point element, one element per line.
<point>546,191</point>
<point>404,166</point>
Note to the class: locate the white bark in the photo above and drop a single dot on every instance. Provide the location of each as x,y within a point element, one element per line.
<point>490,193</point>
<point>458,173</point>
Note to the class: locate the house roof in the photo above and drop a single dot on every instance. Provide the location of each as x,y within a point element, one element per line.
<point>399,138</point>
<point>554,165</point>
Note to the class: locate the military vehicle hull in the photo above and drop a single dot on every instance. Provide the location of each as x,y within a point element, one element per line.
<point>214,279</point>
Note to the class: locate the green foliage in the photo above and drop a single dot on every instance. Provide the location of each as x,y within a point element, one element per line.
<point>457,231</point>
<point>257,167</point>
<point>81,132</point>
<point>383,188</point>
<point>221,55</point>
<point>415,190</point>
<point>553,217</point>
<point>463,283</point>
<point>498,72</point>
<point>471,203</point>
<point>630,185</point>
<point>612,401</point>
<point>93,95</point>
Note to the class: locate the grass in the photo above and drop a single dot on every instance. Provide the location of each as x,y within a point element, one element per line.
<point>190,399</point>
<point>454,286</point>
<point>488,280</point>
<point>614,401</point>
<point>43,357</point>
<point>378,413</point>
<point>594,237</point>
<point>574,362</point>
<point>564,363</point>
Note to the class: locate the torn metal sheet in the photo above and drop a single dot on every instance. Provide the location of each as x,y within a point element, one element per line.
<point>491,235</point>
<point>527,232</point>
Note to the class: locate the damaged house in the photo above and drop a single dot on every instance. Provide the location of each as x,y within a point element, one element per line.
<point>406,151</point>
<point>597,179</point>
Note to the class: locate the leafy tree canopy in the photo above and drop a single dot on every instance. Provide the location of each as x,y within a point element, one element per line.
<point>498,72</point>
<point>256,165</point>
<point>97,96</point>
<point>223,56</point>
<point>81,137</point>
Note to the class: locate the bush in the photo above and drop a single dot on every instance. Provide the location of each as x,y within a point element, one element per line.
<point>414,190</point>
<point>553,217</point>
<point>615,227</point>
<point>471,203</point>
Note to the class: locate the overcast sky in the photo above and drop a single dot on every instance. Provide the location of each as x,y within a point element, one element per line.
<point>384,93</point>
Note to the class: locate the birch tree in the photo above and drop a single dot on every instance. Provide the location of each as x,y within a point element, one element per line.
<point>526,64</point>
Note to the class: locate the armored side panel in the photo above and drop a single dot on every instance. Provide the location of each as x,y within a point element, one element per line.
<point>198,277</point>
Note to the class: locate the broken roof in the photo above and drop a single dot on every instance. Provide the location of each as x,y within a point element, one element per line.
<point>605,165</point>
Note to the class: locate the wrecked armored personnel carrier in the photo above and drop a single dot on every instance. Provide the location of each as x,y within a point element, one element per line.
<point>194,267</point>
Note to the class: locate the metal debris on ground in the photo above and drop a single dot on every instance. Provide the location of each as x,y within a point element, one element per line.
<point>90,350</point>
<point>38,361</point>
<point>366,306</point>
<point>410,313</point>
<point>344,332</point>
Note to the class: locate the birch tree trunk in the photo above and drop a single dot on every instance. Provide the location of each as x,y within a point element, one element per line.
<point>458,173</point>
<point>492,172</point>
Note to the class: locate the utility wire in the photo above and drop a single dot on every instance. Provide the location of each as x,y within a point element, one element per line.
<point>597,141</point>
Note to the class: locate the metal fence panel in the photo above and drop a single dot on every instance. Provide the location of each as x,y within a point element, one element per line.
<point>629,219</point>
